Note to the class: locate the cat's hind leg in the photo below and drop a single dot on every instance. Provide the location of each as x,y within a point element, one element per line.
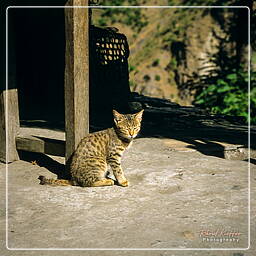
<point>92,173</point>
<point>103,182</point>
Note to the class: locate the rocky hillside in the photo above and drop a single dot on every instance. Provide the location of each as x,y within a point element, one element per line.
<point>170,48</point>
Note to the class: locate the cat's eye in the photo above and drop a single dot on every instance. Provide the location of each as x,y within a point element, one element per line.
<point>118,120</point>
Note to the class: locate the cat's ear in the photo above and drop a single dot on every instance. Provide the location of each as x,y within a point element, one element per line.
<point>139,115</point>
<point>117,116</point>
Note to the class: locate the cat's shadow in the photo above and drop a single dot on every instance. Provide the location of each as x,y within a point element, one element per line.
<point>52,165</point>
<point>43,160</point>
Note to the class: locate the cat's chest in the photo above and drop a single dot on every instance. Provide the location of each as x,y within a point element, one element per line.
<point>117,148</point>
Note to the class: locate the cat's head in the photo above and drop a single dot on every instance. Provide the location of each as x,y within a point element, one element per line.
<point>127,125</point>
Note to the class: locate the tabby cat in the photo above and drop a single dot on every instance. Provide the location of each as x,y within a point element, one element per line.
<point>88,164</point>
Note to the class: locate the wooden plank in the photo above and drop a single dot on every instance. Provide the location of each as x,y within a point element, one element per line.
<point>9,125</point>
<point>41,145</point>
<point>76,74</point>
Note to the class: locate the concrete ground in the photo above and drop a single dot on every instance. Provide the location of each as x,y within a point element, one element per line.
<point>178,199</point>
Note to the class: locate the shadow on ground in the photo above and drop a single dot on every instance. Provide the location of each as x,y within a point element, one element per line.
<point>164,119</point>
<point>203,132</point>
<point>43,160</point>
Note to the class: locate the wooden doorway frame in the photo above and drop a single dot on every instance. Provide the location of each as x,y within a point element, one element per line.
<point>76,93</point>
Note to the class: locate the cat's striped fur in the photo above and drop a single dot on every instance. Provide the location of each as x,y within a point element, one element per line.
<point>88,165</point>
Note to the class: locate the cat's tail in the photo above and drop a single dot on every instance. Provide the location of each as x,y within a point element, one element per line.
<point>55,182</point>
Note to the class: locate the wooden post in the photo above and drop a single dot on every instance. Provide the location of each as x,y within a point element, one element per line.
<point>9,107</point>
<point>76,74</point>
<point>9,125</point>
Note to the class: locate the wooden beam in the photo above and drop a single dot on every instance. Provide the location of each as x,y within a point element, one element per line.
<point>41,145</point>
<point>76,74</point>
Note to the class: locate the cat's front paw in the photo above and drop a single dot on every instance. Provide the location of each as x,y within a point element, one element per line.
<point>124,183</point>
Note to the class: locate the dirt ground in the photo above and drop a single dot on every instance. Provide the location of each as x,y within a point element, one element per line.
<point>180,202</point>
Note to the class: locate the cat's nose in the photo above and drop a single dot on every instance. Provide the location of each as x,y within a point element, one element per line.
<point>131,135</point>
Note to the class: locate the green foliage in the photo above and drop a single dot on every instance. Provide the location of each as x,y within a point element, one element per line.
<point>253,104</point>
<point>222,84</point>
<point>132,17</point>
<point>253,98</point>
<point>131,68</point>
<point>102,22</point>
<point>132,84</point>
<point>155,62</point>
<point>228,95</point>
<point>157,78</point>
<point>178,25</point>
<point>206,2</point>
<point>146,78</point>
<point>173,64</point>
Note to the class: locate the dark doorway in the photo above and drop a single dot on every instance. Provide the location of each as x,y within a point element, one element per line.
<point>37,37</point>
<point>39,42</point>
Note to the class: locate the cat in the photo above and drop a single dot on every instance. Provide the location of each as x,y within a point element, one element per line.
<point>88,164</point>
